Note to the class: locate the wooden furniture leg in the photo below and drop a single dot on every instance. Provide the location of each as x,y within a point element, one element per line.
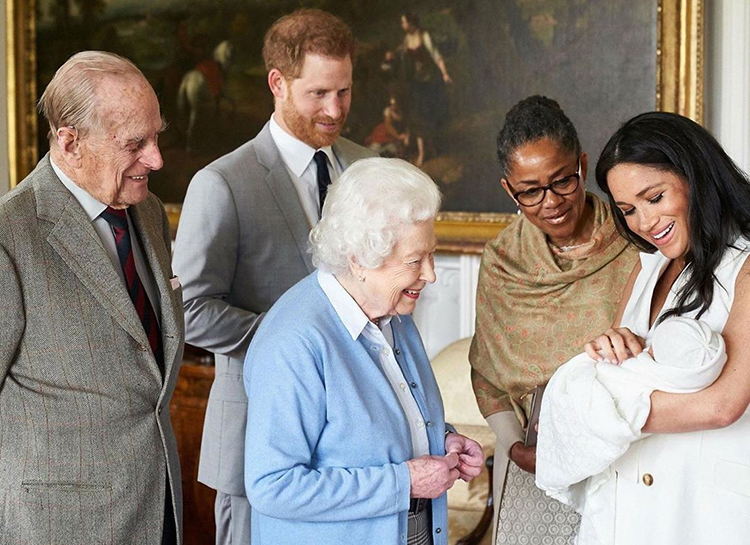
<point>485,522</point>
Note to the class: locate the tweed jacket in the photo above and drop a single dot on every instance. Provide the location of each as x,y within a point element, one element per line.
<point>242,242</point>
<point>86,443</point>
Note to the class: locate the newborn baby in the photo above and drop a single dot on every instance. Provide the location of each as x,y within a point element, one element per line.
<point>685,342</point>
<point>592,411</point>
<point>689,357</point>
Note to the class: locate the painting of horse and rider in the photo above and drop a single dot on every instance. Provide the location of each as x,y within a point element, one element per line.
<point>432,79</point>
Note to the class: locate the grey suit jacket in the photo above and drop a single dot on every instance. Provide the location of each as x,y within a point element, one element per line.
<point>241,243</point>
<point>86,443</point>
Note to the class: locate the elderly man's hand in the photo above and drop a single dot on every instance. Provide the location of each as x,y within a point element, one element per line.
<point>431,476</point>
<point>470,455</point>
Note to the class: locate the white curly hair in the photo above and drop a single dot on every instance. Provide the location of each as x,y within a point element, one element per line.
<point>365,211</point>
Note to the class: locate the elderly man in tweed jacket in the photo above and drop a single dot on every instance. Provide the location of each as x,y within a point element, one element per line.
<point>91,327</point>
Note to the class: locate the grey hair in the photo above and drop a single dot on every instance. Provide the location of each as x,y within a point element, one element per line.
<point>70,99</point>
<point>365,211</point>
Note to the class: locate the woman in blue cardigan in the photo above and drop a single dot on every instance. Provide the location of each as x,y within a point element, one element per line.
<point>346,439</point>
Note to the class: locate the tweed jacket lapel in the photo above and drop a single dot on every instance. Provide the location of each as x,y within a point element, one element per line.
<point>281,186</point>
<point>148,228</point>
<point>74,239</point>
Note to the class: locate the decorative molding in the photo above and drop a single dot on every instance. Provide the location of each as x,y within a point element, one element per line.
<point>469,267</point>
<point>446,310</point>
<point>679,54</point>
<point>468,232</point>
<point>21,84</point>
<point>730,78</point>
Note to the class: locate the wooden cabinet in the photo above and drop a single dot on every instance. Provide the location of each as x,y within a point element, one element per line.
<point>188,410</point>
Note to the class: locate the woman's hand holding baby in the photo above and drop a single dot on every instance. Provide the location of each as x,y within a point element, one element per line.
<point>615,345</point>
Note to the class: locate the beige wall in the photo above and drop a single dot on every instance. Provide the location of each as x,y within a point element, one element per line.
<point>4,178</point>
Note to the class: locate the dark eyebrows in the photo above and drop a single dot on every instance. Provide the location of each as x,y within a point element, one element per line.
<point>527,182</point>
<point>642,192</point>
<point>556,175</point>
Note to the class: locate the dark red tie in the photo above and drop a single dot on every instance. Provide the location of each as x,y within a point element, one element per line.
<point>119,222</point>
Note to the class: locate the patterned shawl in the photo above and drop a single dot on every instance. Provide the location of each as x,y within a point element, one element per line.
<point>537,306</point>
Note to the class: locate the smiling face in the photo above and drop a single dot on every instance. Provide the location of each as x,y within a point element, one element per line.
<point>313,107</point>
<point>395,286</point>
<point>655,205</point>
<point>564,219</point>
<point>115,160</point>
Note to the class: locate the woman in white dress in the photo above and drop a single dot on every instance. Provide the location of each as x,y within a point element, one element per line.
<point>681,199</point>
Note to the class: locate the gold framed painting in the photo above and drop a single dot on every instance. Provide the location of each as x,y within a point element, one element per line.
<point>603,61</point>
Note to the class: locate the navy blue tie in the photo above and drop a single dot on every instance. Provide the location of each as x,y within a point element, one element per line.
<point>324,177</point>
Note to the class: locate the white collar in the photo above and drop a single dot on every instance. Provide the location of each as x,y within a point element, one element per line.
<point>90,205</point>
<point>354,319</point>
<point>294,152</point>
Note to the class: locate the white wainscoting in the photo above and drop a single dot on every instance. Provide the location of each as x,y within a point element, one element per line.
<point>446,309</point>
<point>728,76</point>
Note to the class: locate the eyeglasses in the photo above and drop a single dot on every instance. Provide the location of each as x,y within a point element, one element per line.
<point>562,187</point>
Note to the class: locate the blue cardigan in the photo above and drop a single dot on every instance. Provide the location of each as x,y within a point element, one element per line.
<point>327,440</point>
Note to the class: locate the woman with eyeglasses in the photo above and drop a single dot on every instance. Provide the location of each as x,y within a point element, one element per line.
<point>548,283</point>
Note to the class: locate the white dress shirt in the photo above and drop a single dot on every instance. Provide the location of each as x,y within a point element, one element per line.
<point>93,209</point>
<point>298,160</point>
<point>357,323</point>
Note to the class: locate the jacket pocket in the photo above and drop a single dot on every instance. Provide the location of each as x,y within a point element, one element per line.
<point>232,456</point>
<point>733,477</point>
<point>66,512</point>
<point>63,486</point>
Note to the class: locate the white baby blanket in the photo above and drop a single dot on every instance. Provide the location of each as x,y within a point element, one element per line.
<point>592,412</point>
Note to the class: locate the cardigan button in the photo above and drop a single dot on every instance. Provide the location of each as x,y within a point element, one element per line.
<point>648,479</point>
<point>413,384</point>
<point>428,424</point>
<point>438,530</point>
<point>397,352</point>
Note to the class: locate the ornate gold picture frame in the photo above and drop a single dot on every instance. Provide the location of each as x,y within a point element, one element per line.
<point>678,88</point>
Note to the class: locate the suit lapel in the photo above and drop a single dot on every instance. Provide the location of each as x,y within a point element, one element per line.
<point>78,245</point>
<point>148,229</point>
<point>340,151</point>
<point>281,186</point>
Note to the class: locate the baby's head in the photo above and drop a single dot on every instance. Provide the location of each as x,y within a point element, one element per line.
<point>685,342</point>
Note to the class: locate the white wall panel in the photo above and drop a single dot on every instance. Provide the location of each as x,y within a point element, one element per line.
<point>445,311</point>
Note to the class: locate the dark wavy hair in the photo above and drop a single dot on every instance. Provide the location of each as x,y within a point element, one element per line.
<point>718,193</point>
<point>530,120</point>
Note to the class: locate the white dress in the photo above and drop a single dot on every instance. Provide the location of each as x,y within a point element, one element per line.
<point>684,488</point>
